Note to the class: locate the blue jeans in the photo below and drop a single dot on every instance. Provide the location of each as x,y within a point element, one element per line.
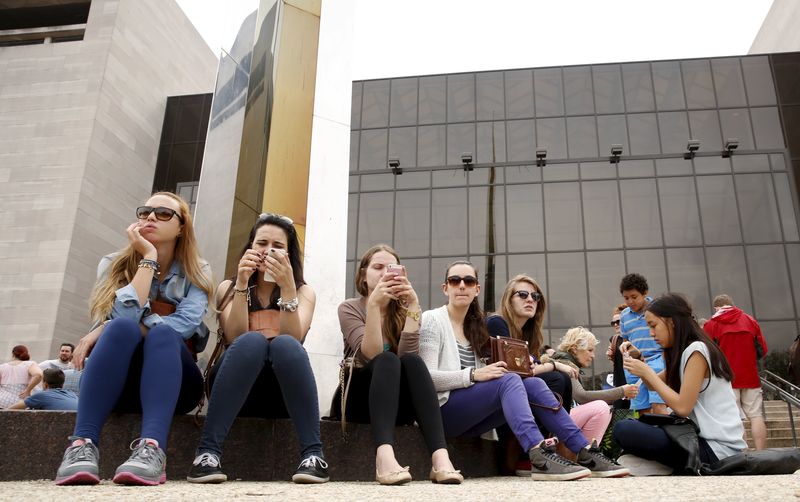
<point>486,405</point>
<point>265,378</point>
<point>651,442</point>
<point>155,375</point>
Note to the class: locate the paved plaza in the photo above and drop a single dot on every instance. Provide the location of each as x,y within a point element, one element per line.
<point>734,488</point>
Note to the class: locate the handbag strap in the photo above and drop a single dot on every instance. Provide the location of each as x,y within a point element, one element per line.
<point>348,366</point>
<point>554,409</point>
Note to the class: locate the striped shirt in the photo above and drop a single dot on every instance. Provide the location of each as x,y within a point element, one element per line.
<point>634,328</point>
<point>466,355</point>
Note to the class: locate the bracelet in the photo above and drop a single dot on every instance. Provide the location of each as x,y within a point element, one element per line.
<point>288,306</point>
<point>241,291</point>
<point>151,264</point>
<point>554,365</point>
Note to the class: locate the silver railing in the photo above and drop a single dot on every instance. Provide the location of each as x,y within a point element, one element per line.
<point>786,392</point>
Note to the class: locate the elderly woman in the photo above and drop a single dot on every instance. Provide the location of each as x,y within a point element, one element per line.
<point>592,414</point>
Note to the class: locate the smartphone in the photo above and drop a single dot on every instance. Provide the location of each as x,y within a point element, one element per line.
<point>275,253</point>
<point>396,270</point>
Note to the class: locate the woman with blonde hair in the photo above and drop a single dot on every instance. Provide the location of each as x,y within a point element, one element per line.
<point>592,414</point>
<point>147,306</point>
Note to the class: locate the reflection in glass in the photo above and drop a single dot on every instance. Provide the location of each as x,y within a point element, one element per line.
<point>552,135</point>
<point>758,208</point>
<point>770,285</point>
<point>567,304</point>
<point>698,84</point>
<point>460,140</point>
<point>449,178</point>
<point>674,131</point>
<point>578,90</point>
<point>493,278</point>
<point>612,130</point>
<point>521,140</point>
<point>373,150</point>
<point>728,82</point>
<point>601,215</point>
<point>460,98</point>
<point>727,272</point>
<point>487,220</point>
<point>638,87</point>
<point>681,220</point>
<point>489,92</point>
<point>523,174</point>
<point>449,220</point>
<point>432,100</point>
<point>641,221</point>
<point>704,125</point>
<point>549,94</point>
<point>375,104</point>
<point>404,102</point>
<point>758,80</point>
<point>736,124</point>
<point>525,216</point>
<point>412,223</point>
<point>767,128</point>
<point>431,141</point>
<point>608,89</point>
<point>793,258</point>
<point>491,142</point>
<point>562,209</point>
<point>403,145</point>
<point>718,209</point>
<point>668,86</point>
<point>643,133</point>
<point>582,137</point>
<point>788,220</point>
<point>519,94</point>
<point>687,273</point>
<point>606,268</point>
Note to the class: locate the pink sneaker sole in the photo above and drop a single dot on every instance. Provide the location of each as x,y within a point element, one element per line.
<point>79,478</point>
<point>128,478</point>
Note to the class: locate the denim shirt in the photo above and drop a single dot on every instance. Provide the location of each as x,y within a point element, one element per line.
<point>191,302</point>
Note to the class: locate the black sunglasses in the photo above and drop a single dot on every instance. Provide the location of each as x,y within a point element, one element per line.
<point>615,323</point>
<point>535,295</point>
<point>162,213</point>
<point>455,281</point>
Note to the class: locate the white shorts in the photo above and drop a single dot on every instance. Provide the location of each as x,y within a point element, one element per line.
<point>749,402</point>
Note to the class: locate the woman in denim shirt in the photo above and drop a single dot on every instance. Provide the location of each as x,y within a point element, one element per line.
<point>147,307</point>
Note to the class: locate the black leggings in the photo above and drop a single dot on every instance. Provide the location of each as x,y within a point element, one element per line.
<point>391,391</point>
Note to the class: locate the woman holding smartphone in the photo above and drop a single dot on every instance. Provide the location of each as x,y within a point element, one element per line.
<point>265,312</point>
<point>147,306</point>
<point>381,329</point>
<point>476,398</point>
<point>695,383</point>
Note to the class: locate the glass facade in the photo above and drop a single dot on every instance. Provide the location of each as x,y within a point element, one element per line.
<point>700,226</point>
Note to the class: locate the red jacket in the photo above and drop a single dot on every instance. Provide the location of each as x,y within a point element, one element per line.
<point>737,333</point>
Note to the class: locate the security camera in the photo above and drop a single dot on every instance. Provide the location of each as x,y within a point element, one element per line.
<point>693,145</point>
<point>616,150</point>
<point>732,144</point>
<point>394,162</point>
<point>541,153</point>
<point>466,158</point>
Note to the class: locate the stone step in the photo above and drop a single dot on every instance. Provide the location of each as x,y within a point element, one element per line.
<point>775,432</point>
<point>774,443</point>
<point>256,449</point>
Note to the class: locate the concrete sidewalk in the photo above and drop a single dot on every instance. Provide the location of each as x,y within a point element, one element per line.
<point>734,488</point>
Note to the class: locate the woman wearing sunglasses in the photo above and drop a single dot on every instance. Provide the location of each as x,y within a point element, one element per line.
<point>475,398</point>
<point>381,329</point>
<point>149,299</point>
<point>265,312</point>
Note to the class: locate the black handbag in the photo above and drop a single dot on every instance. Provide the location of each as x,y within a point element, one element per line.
<point>683,432</point>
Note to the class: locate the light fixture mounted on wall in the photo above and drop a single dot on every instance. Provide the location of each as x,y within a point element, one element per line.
<point>541,157</point>
<point>466,159</point>
<point>394,165</point>
<point>616,152</point>
<point>691,148</point>
<point>731,144</point>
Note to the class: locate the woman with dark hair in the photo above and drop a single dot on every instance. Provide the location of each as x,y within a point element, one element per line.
<point>381,329</point>
<point>18,377</point>
<point>147,306</point>
<point>696,383</point>
<point>265,312</point>
<point>475,398</point>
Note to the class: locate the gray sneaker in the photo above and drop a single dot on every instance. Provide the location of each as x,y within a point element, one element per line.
<point>600,465</point>
<point>146,466</point>
<point>547,465</point>
<point>80,465</point>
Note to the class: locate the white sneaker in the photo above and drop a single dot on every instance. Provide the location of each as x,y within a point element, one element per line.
<point>642,467</point>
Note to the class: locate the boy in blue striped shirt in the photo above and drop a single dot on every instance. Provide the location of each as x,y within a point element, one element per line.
<point>638,342</point>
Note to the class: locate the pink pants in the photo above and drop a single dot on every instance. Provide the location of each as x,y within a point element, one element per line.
<point>592,418</point>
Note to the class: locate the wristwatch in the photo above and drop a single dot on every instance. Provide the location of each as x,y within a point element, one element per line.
<point>288,306</point>
<point>416,314</point>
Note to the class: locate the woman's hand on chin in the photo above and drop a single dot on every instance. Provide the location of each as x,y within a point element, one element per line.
<point>139,243</point>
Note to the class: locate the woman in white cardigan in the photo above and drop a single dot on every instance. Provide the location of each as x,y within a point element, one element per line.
<point>475,398</point>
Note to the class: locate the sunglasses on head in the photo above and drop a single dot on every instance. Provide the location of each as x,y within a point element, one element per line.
<point>535,295</point>
<point>455,280</point>
<point>162,213</point>
<point>286,219</point>
<point>615,323</point>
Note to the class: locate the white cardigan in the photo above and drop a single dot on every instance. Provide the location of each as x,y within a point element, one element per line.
<point>438,348</point>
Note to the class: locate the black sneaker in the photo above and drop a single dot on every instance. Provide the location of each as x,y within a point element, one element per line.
<point>311,470</point>
<point>206,468</point>
<point>600,465</point>
<point>547,465</point>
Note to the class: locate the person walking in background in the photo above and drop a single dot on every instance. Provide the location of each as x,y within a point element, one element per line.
<point>64,360</point>
<point>53,397</point>
<point>638,343</point>
<point>739,336</point>
<point>18,377</point>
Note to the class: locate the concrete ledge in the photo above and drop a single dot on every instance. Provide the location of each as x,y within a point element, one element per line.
<point>256,449</point>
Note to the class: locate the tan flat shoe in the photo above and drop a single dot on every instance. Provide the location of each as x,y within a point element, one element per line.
<point>444,477</point>
<point>394,478</point>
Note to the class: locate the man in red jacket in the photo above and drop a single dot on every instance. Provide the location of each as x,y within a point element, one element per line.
<point>737,335</point>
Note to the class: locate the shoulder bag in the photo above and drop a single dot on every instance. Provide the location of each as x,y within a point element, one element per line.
<point>515,354</point>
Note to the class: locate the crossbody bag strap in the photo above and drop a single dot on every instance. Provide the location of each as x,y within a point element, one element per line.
<point>345,378</point>
<point>554,409</point>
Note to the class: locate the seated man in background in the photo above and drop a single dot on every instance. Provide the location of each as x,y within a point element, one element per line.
<point>53,397</point>
<point>64,360</point>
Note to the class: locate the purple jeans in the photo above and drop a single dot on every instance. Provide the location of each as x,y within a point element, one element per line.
<point>482,407</point>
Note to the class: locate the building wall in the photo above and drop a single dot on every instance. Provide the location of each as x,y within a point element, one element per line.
<point>80,124</point>
<point>779,32</point>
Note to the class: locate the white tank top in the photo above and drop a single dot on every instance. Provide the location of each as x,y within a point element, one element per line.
<point>716,412</point>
